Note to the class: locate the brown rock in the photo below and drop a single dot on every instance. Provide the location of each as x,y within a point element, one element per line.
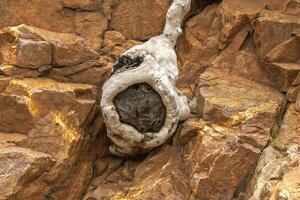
<point>33,54</point>
<point>94,75</point>
<point>278,164</point>
<point>276,26</point>
<point>10,139</point>
<point>18,166</point>
<point>289,130</point>
<point>218,160</point>
<point>54,17</point>
<point>67,71</point>
<point>65,125</point>
<point>67,49</point>
<point>15,116</point>
<point>292,7</point>
<point>82,4</point>
<point>286,52</point>
<point>157,177</point>
<point>197,42</point>
<point>90,26</point>
<point>140,20</point>
<point>239,118</point>
<point>111,39</point>
<point>8,47</point>
<point>229,99</point>
<point>29,99</point>
<point>188,130</point>
<point>297,105</point>
<point>283,74</point>
<point>292,93</point>
<point>297,80</point>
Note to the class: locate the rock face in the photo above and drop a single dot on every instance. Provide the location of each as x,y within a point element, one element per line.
<point>239,66</point>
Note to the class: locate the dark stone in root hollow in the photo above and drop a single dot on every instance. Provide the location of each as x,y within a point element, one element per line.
<point>141,107</point>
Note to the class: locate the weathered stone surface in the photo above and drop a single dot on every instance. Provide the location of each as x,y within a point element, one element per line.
<point>67,49</point>
<point>239,118</point>
<point>15,116</point>
<point>63,123</point>
<point>229,99</point>
<point>50,132</point>
<point>273,25</point>
<point>82,4</point>
<point>276,172</point>
<point>292,93</point>
<point>297,105</point>
<point>18,166</point>
<point>197,42</point>
<point>33,54</point>
<point>139,19</point>
<point>157,177</point>
<point>57,15</point>
<point>286,52</point>
<point>90,26</point>
<point>297,80</point>
<point>283,74</point>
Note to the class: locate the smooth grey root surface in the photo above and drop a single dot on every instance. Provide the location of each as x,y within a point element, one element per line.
<point>141,107</point>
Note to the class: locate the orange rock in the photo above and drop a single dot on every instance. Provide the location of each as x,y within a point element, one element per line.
<point>90,26</point>
<point>276,26</point>
<point>283,74</point>
<point>278,167</point>
<point>139,20</point>
<point>33,54</point>
<point>18,166</point>
<point>82,4</point>
<point>297,105</point>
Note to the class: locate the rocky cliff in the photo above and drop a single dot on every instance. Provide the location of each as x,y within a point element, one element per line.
<point>239,66</point>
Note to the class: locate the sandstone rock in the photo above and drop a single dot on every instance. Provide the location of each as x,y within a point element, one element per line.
<point>15,116</point>
<point>297,80</point>
<point>278,164</point>
<point>205,157</point>
<point>292,93</point>
<point>33,54</point>
<point>286,52</point>
<point>65,124</point>
<point>67,49</point>
<point>90,26</point>
<point>76,97</point>
<point>139,20</point>
<point>82,4</point>
<point>232,16</point>
<point>289,130</point>
<point>238,119</point>
<point>159,176</point>
<point>94,75</point>
<point>197,42</point>
<point>60,16</point>
<point>54,17</point>
<point>229,99</point>
<point>10,139</point>
<point>67,71</point>
<point>292,7</point>
<point>111,39</point>
<point>283,74</point>
<point>188,130</point>
<point>273,25</point>
<point>297,105</point>
<point>18,166</point>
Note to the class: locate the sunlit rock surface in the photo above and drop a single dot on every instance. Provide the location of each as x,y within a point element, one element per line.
<point>239,67</point>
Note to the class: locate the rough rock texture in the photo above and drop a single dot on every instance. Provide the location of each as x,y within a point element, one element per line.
<point>239,67</point>
<point>141,107</point>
